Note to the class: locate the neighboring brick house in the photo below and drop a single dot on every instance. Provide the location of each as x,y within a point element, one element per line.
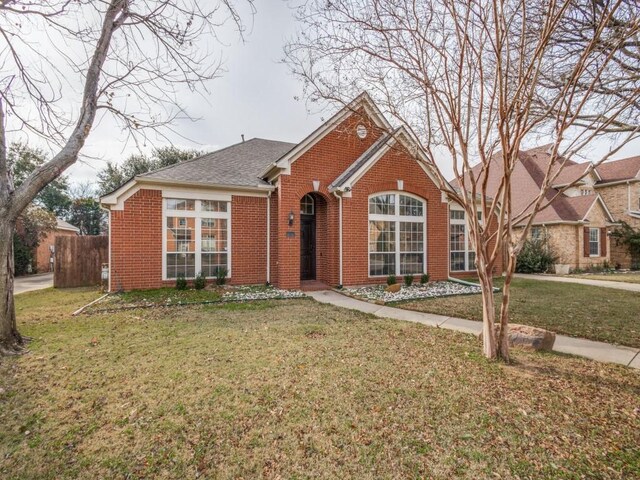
<point>579,219</point>
<point>347,205</point>
<point>619,186</point>
<point>45,251</point>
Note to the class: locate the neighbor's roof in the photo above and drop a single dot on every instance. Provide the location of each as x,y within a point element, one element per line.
<point>62,225</point>
<point>237,165</point>
<point>625,169</point>
<point>526,181</point>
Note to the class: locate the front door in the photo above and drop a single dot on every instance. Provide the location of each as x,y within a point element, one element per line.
<point>307,247</point>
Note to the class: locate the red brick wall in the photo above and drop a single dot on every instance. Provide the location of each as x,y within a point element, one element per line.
<point>324,162</point>
<point>248,240</point>
<point>136,242</point>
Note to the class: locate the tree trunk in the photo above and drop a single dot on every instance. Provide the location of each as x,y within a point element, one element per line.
<point>11,342</point>
<point>503,339</point>
<point>489,346</point>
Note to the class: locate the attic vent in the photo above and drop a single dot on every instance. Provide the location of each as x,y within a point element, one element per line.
<point>361,130</point>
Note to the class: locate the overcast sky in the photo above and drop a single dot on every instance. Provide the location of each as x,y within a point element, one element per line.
<point>254,97</point>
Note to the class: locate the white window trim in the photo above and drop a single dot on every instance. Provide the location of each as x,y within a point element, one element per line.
<point>591,229</point>
<point>467,239</point>
<point>197,214</point>
<point>397,218</point>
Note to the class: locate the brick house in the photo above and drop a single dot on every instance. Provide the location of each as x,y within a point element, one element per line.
<point>44,253</point>
<point>579,219</point>
<point>349,205</point>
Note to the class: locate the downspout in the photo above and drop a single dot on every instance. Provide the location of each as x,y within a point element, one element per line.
<point>269,237</point>
<point>339,197</point>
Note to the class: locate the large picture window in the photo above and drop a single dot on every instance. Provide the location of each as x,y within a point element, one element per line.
<point>197,237</point>
<point>396,234</point>
<point>462,255</point>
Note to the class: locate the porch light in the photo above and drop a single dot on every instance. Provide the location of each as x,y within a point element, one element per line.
<point>291,218</point>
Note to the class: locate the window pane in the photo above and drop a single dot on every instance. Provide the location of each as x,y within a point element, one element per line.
<point>456,214</point>
<point>411,263</point>
<point>410,206</point>
<point>382,236</point>
<point>180,204</point>
<point>213,206</point>
<point>181,234</point>
<point>457,261</point>
<point>181,264</point>
<point>594,241</point>
<point>213,235</point>
<point>411,237</point>
<point>382,263</point>
<point>471,265</point>
<point>457,238</point>
<point>307,205</point>
<point>211,262</point>
<point>382,205</point>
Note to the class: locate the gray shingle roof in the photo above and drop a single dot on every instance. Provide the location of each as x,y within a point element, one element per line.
<point>236,165</point>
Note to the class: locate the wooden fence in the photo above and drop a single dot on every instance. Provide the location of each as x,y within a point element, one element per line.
<point>78,260</point>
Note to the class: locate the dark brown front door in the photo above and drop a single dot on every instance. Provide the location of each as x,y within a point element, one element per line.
<point>307,247</point>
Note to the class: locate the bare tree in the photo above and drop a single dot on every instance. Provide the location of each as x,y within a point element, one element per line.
<point>66,64</point>
<point>471,80</point>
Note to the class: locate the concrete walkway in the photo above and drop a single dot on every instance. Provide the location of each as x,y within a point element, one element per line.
<point>602,352</point>
<point>32,282</point>
<point>631,287</point>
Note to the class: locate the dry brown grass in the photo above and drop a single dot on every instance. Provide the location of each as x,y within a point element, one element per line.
<point>296,389</point>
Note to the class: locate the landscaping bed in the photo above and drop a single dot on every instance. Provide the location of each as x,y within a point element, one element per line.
<point>378,293</point>
<point>167,297</point>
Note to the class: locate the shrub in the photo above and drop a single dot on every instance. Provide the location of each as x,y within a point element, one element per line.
<point>629,237</point>
<point>181,283</point>
<point>408,280</point>
<point>535,257</point>
<point>391,280</point>
<point>200,281</point>
<point>424,278</point>
<point>221,276</point>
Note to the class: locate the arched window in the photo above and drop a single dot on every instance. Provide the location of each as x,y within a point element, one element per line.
<point>397,232</point>
<point>307,205</point>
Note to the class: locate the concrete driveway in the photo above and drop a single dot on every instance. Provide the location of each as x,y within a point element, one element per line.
<point>32,282</point>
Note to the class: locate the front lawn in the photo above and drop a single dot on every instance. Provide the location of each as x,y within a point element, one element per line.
<point>629,277</point>
<point>297,389</point>
<point>571,309</point>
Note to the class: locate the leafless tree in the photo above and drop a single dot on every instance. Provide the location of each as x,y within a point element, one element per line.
<point>471,80</point>
<point>65,65</point>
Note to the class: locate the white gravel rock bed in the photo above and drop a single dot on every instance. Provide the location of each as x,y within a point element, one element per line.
<point>428,290</point>
<point>240,294</point>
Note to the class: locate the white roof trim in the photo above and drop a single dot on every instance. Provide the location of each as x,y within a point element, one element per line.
<point>604,206</point>
<point>285,162</point>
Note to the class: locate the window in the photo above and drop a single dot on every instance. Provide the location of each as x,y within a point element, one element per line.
<point>197,237</point>
<point>396,235</point>
<point>307,205</point>
<point>594,242</point>
<point>462,257</point>
<point>536,233</point>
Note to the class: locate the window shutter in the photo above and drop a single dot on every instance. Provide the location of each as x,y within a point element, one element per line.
<point>603,242</point>
<point>586,242</point>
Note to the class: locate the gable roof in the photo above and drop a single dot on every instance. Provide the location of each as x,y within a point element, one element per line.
<point>62,225</point>
<point>237,165</point>
<point>616,170</point>
<point>527,178</point>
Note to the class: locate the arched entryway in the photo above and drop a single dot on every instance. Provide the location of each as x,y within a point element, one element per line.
<point>313,230</point>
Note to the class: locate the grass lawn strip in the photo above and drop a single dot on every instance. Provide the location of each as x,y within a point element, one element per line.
<point>584,311</point>
<point>627,277</point>
<point>297,389</point>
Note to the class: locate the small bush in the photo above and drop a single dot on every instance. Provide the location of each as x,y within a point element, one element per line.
<point>424,278</point>
<point>181,283</point>
<point>221,276</point>
<point>535,257</point>
<point>408,280</point>
<point>391,280</point>
<point>200,282</point>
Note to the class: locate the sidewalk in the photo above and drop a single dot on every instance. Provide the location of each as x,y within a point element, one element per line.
<point>631,287</point>
<point>29,283</point>
<point>600,351</point>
